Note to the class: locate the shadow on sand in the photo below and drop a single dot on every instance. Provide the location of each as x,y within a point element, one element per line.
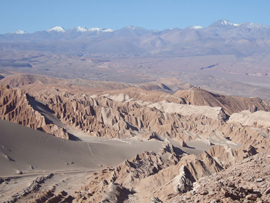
<point>49,115</point>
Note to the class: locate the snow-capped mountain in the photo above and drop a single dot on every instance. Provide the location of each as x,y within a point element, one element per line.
<point>99,30</point>
<point>223,23</point>
<point>226,22</point>
<point>81,29</point>
<point>255,26</point>
<point>196,27</point>
<point>107,30</point>
<point>221,37</point>
<point>20,32</point>
<point>56,29</point>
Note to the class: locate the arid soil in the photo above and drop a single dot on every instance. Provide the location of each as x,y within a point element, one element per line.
<point>113,142</point>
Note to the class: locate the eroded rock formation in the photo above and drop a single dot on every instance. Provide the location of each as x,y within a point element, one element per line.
<point>148,176</point>
<point>15,107</point>
<point>230,104</point>
<point>233,136</point>
<point>245,181</point>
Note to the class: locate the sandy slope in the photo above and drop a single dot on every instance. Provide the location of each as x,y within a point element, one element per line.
<point>28,148</point>
<point>31,151</point>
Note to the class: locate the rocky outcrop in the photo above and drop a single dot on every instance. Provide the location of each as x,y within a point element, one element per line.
<point>34,185</point>
<point>148,177</point>
<point>187,110</point>
<point>256,119</point>
<point>55,130</point>
<point>136,112</point>
<point>116,193</point>
<point>184,181</point>
<point>171,173</point>
<point>15,107</point>
<point>224,155</point>
<point>112,184</point>
<point>167,147</point>
<point>227,157</point>
<point>101,116</point>
<point>230,104</point>
<point>245,181</point>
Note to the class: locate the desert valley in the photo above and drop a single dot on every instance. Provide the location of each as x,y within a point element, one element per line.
<point>135,115</point>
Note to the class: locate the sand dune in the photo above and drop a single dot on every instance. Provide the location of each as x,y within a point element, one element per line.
<point>30,151</point>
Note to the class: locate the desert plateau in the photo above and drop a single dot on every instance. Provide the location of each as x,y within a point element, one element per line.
<point>135,115</point>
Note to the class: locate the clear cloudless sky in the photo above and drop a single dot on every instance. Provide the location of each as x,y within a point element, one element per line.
<point>36,15</point>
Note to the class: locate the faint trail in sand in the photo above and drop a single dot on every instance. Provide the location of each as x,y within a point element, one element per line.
<point>92,154</point>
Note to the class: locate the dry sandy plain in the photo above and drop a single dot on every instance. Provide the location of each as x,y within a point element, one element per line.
<point>225,74</point>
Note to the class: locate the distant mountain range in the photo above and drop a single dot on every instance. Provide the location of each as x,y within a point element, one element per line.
<point>220,38</point>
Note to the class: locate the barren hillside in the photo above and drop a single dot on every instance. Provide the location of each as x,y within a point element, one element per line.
<point>230,104</point>
<point>130,144</point>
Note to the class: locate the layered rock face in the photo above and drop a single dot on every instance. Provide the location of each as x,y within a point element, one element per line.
<point>15,107</point>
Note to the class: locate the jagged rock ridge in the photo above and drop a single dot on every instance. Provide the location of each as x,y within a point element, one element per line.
<point>246,181</point>
<point>15,107</point>
<point>230,104</point>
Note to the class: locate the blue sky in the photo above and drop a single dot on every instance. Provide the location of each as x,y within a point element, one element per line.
<point>36,15</point>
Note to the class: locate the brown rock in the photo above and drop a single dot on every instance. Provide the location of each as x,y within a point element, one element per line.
<point>155,200</point>
<point>184,180</point>
<point>251,197</point>
<point>15,106</point>
<point>198,96</point>
<point>259,180</point>
<point>204,192</point>
<point>267,191</point>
